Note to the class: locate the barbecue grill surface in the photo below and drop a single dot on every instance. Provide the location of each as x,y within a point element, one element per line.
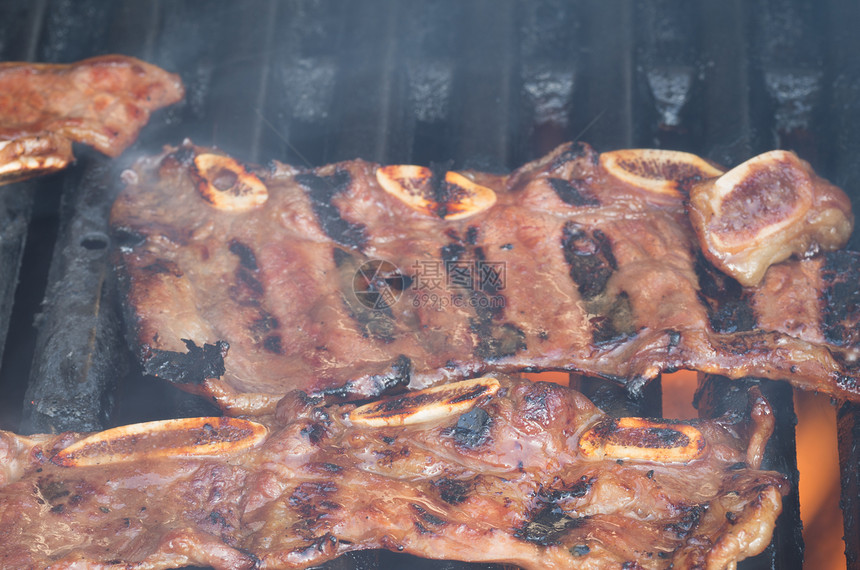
<point>486,84</point>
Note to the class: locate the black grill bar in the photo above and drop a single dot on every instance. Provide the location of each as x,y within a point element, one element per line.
<point>839,154</point>
<point>848,422</point>
<point>718,396</point>
<point>16,203</point>
<point>482,84</point>
<point>79,334</point>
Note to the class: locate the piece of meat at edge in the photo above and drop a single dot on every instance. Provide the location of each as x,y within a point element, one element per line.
<point>102,101</point>
<point>507,476</point>
<point>239,281</point>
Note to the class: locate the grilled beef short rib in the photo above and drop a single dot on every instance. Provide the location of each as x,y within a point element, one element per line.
<point>102,101</point>
<point>527,473</point>
<point>243,283</point>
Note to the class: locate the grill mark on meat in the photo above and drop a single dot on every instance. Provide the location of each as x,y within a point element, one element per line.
<point>273,344</point>
<point>427,518</point>
<point>494,341</point>
<point>266,323</point>
<point>245,254</point>
<point>497,342</point>
<point>548,526</point>
<point>163,266</point>
<point>617,324</point>
<point>372,322</point>
<point>472,234</point>
<point>322,191</point>
<point>840,306</point>
<point>126,238</point>
<point>576,491</point>
<point>192,367</point>
<point>573,192</point>
<point>249,289</point>
<point>691,515</point>
<point>289,503</point>
<point>589,256</point>
<point>729,305</point>
<point>310,499</point>
<point>652,238</point>
<point>451,254</point>
<point>453,491</point>
<point>314,432</point>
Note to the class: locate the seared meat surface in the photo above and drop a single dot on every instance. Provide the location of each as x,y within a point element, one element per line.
<point>103,102</point>
<point>243,283</point>
<point>493,470</point>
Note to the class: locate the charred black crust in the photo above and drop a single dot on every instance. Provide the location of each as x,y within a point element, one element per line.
<point>426,517</point>
<point>247,280</point>
<point>590,258</point>
<point>314,432</point>
<point>840,298</point>
<point>728,304</point>
<point>394,378</point>
<point>472,429</point>
<point>163,267</point>
<point>183,155</point>
<point>451,253</point>
<point>497,341</point>
<point>688,522</point>
<point>549,522</point>
<point>548,525</point>
<point>192,367</point>
<point>245,254</point>
<point>577,490</point>
<point>453,491</point>
<point>573,192</point>
<point>266,323</point>
<point>125,237</point>
<point>322,190</point>
<point>472,235</point>
<point>310,499</point>
<point>574,151</point>
<point>273,344</point>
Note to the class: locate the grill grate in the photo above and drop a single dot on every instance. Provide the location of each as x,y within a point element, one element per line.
<point>485,84</point>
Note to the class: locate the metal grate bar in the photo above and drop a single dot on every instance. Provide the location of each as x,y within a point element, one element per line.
<point>604,105</point>
<point>839,160</point>
<point>17,43</point>
<point>550,69</point>
<point>483,90</point>
<point>718,396</point>
<point>79,333</point>
<point>667,75</point>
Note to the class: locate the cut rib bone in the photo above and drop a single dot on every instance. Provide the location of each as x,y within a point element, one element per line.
<point>765,210</point>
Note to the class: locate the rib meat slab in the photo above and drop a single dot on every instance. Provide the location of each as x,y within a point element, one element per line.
<point>102,101</point>
<point>526,473</point>
<point>244,282</point>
